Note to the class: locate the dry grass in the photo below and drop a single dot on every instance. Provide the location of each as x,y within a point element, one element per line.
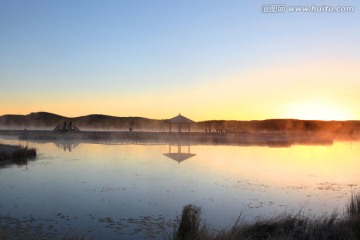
<point>286,226</point>
<point>16,152</point>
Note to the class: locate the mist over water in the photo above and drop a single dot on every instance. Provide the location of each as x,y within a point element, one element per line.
<point>112,190</point>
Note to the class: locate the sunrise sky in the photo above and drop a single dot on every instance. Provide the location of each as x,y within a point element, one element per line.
<point>205,59</point>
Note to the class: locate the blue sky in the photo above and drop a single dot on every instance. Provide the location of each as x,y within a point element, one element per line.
<point>96,55</point>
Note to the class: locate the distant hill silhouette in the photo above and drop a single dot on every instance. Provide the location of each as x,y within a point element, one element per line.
<point>37,120</point>
<point>45,120</point>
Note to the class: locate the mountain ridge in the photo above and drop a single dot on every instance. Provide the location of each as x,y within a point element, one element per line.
<point>47,120</point>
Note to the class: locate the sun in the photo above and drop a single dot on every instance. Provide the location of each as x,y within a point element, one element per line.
<point>317,110</point>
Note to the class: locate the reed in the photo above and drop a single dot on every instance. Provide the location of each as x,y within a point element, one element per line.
<point>285,226</point>
<point>16,152</point>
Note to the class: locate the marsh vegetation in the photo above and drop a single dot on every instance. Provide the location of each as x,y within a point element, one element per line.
<point>8,152</point>
<point>283,226</point>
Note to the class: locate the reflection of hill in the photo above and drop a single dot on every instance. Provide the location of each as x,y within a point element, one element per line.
<point>179,156</point>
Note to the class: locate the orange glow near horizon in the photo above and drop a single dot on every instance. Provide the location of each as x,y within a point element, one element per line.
<point>309,91</point>
<point>318,111</point>
<point>231,108</point>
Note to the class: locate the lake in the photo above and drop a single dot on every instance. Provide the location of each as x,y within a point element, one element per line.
<point>117,191</point>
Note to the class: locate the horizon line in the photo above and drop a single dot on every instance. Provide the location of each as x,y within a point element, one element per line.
<point>100,114</point>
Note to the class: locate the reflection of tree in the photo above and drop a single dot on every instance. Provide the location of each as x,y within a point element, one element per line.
<point>66,146</point>
<point>17,162</point>
<point>179,156</point>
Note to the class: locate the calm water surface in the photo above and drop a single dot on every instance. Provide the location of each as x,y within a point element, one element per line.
<point>135,191</point>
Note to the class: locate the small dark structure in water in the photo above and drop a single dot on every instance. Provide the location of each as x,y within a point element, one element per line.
<point>179,121</point>
<point>66,127</point>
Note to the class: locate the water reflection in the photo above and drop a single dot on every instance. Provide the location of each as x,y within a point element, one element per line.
<point>132,190</point>
<point>178,152</point>
<point>179,156</point>
<point>67,145</point>
<point>274,139</point>
<point>16,162</point>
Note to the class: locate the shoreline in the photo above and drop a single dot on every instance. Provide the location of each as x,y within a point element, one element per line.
<point>271,139</point>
